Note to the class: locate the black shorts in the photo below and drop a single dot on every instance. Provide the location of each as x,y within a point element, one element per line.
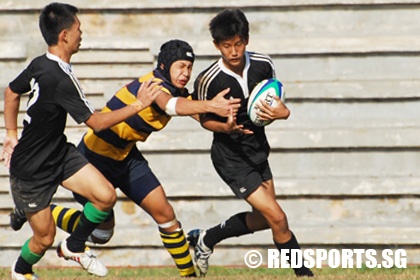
<point>35,195</point>
<point>245,179</point>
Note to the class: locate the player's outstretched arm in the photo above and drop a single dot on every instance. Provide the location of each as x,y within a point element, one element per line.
<point>185,107</point>
<point>146,94</point>
<point>221,106</point>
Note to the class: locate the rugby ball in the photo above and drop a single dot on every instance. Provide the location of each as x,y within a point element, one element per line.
<point>264,91</point>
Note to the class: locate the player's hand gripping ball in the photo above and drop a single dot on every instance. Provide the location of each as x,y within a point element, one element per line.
<point>264,91</point>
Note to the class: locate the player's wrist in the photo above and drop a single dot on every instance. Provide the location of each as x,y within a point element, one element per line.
<point>212,106</point>
<point>138,105</point>
<point>225,128</point>
<point>11,132</point>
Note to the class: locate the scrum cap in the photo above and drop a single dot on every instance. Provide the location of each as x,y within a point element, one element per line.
<point>172,51</point>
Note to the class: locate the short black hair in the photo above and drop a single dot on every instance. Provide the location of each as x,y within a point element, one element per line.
<point>229,23</point>
<point>54,18</point>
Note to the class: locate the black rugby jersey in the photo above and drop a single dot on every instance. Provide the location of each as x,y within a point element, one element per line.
<point>232,149</point>
<point>53,92</point>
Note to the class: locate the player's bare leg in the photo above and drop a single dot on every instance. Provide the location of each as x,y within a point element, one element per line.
<point>264,201</point>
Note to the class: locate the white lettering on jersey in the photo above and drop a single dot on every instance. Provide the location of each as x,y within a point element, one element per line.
<point>35,94</point>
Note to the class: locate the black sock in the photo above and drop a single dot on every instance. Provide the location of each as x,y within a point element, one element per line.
<point>234,226</point>
<point>76,241</point>
<point>22,266</point>
<point>293,244</point>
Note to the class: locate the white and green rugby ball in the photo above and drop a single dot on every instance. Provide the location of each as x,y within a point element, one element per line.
<point>264,91</point>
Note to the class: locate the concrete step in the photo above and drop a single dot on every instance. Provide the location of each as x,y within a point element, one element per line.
<point>354,89</point>
<point>364,216</point>
<point>312,173</point>
<point>287,139</point>
<point>321,46</point>
<point>332,68</point>
<point>362,163</point>
<point>300,163</point>
<point>112,55</point>
<point>325,71</point>
<point>339,90</point>
<point>111,71</point>
<point>328,114</point>
<point>293,138</point>
<point>179,4</point>
<point>282,136</point>
<point>286,187</point>
<point>12,51</point>
<point>283,19</point>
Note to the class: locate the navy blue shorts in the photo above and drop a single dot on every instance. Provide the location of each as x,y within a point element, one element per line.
<point>132,176</point>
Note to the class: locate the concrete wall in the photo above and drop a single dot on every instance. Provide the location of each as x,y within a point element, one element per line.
<point>345,163</point>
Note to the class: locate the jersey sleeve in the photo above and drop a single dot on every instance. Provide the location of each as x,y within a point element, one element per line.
<point>194,94</point>
<point>203,90</point>
<point>72,99</point>
<point>206,91</point>
<point>270,68</point>
<point>22,83</point>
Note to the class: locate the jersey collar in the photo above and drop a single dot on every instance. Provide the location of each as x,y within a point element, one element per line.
<point>230,72</point>
<point>68,68</point>
<point>242,80</point>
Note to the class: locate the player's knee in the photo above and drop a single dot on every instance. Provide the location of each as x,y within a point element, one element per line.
<point>107,199</point>
<point>112,198</point>
<point>110,195</point>
<point>48,242</point>
<point>278,218</point>
<point>44,242</point>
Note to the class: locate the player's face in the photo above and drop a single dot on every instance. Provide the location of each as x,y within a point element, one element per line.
<point>180,73</point>
<point>232,52</point>
<point>73,36</point>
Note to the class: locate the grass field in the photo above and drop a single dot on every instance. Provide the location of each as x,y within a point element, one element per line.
<point>218,272</point>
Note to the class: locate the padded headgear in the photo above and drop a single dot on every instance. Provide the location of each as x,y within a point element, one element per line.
<point>172,51</point>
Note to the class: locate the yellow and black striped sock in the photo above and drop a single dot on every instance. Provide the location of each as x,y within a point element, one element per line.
<point>65,218</point>
<point>176,244</point>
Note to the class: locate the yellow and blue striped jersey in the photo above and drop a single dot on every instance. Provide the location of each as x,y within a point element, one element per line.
<point>117,141</point>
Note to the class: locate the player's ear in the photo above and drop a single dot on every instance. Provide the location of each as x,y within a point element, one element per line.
<point>62,36</point>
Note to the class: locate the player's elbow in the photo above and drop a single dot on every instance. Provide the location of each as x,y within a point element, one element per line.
<point>95,123</point>
<point>286,113</point>
<point>283,114</point>
<point>98,128</point>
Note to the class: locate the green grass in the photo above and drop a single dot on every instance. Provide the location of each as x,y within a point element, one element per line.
<point>218,272</point>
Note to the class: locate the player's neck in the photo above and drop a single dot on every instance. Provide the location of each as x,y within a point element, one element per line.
<point>237,69</point>
<point>60,53</point>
